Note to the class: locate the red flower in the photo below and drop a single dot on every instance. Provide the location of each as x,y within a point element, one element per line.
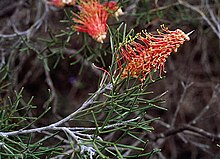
<point>92,19</point>
<point>145,53</point>
<point>62,3</point>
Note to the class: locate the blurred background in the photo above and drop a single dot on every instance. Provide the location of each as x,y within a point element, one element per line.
<point>189,129</point>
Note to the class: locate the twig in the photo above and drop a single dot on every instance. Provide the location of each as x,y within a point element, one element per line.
<point>2,58</point>
<point>30,30</point>
<point>52,88</point>
<point>213,17</point>
<point>215,94</point>
<point>106,127</point>
<point>217,32</point>
<point>157,121</point>
<point>188,127</point>
<point>84,105</point>
<point>185,88</point>
<point>163,7</point>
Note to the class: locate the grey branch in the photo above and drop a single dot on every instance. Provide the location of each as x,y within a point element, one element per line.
<point>188,127</point>
<point>55,125</point>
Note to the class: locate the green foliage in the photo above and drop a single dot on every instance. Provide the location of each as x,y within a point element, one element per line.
<point>103,129</point>
<point>117,108</point>
<point>113,124</point>
<point>15,115</point>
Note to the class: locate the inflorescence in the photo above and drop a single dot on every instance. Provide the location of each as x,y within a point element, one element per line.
<point>147,52</point>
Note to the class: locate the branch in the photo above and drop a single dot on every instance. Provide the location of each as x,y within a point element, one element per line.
<point>215,96</point>
<point>185,88</point>
<point>84,105</point>
<point>52,88</point>
<point>37,24</point>
<point>54,125</point>
<point>214,28</point>
<point>188,127</point>
<point>106,127</point>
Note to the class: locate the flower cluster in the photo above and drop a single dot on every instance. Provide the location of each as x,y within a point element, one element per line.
<point>147,52</point>
<point>92,18</point>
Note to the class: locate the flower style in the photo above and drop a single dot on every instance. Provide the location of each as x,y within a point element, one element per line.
<point>62,3</point>
<point>145,53</point>
<point>92,19</point>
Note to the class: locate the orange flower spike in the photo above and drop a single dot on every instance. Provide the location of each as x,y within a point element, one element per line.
<point>149,52</point>
<point>92,19</point>
<point>62,3</point>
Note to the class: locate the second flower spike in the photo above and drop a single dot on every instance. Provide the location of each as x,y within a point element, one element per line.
<point>92,18</point>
